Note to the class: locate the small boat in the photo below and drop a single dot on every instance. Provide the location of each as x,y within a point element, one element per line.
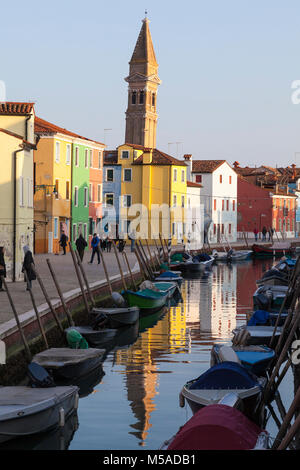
<point>26,411</point>
<point>221,255</point>
<point>221,379</point>
<point>118,317</point>
<point>256,359</point>
<point>269,297</point>
<point>278,275</point>
<point>277,249</point>
<point>95,338</point>
<point>147,300</point>
<point>262,317</point>
<point>169,276</point>
<point>169,287</point>
<point>255,335</point>
<point>240,255</point>
<point>199,263</point>
<point>66,363</point>
<point>218,427</point>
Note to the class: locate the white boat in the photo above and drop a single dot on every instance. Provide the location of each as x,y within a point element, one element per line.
<point>198,266</point>
<point>25,411</point>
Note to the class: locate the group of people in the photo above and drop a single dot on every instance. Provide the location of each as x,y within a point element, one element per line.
<point>264,233</point>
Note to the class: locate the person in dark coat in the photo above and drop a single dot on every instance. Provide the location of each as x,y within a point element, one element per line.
<point>95,244</point>
<point>63,242</point>
<point>28,261</point>
<point>2,267</point>
<point>80,245</point>
<point>108,245</point>
<point>264,233</point>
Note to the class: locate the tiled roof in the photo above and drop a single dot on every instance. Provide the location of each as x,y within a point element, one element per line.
<point>191,184</point>
<point>160,158</point>
<point>44,127</point>
<point>14,108</point>
<point>206,166</point>
<point>136,146</point>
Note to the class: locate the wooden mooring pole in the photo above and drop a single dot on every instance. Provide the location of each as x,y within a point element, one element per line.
<point>119,264</point>
<point>129,269</point>
<point>79,279</point>
<point>56,283</point>
<point>106,272</point>
<point>36,312</point>
<point>85,279</point>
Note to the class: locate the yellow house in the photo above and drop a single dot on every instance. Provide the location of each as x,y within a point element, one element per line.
<point>52,198</point>
<point>16,183</point>
<point>153,189</point>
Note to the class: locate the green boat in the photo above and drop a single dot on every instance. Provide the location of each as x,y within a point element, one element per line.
<point>167,287</point>
<point>147,299</point>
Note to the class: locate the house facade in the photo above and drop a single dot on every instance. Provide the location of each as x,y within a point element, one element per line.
<point>95,189</point>
<point>17,143</point>
<point>112,172</point>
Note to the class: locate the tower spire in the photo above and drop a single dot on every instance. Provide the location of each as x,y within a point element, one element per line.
<point>143,80</point>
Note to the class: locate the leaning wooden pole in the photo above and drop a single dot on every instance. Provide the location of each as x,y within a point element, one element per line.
<point>64,305</point>
<point>37,313</point>
<point>129,269</point>
<point>85,279</point>
<point>106,272</point>
<point>287,420</point>
<point>144,264</point>
<point>162,247</point>
<point>142,270</point>
<point>79,278</point>
<point>144,258</point>
<point>155,243</point>
<point>150,257</point>
<point>119,264</point>
<point>28,353</point>
<point>47,297</point>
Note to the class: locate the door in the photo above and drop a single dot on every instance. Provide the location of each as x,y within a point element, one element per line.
<point>50,242</point>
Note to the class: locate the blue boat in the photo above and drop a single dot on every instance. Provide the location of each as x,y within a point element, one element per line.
<point>262,317</point>
<point>256,359</point>
<point>169,276</point>
<point>221,379</point>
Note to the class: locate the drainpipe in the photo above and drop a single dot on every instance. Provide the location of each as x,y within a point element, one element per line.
<point>15,213</point>
<point>26,127</point>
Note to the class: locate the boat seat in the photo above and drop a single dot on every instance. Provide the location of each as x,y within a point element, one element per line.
<point>226,353</point>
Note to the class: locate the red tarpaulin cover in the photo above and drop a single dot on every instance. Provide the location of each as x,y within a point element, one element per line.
<point>217,427</point>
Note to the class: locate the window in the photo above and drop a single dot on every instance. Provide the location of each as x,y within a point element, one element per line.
<point>215,204</point>
<point>55,231</point>
<point>198,178</point>
<point>174,200</point>
<point>91,158</point>
<point>99,160</point>
<point>233,205</point>
<point>76,156</point>
<point>153,99</point>
<point>109,199</point>
<point>125,154</point>
<point>127,174</point>
<point>141,97</point>
<point>222,229</point>
<point>182,176</point>
<point>68,154</point>
<point>227,205</point>
<point>91,192</point>
<point>229,229</point>
<point>67,190</point>
<point>85,196</point>
<point>57,152</point>
<point>74,232</point>
<point>99,193</point>
<point>91,226</point>
<point>109,174</point>
<point>222,204</point>
<point>230,179</point>
<point>56,188</point>
<point>182,201</point>
<point>79,229</point>
<point>85,231</point>
<point>221,179</point>
<point>173,229</point>
<point>86,161</point>
<point>126,200</point>
<point>76,196</point>
<point>133,97</point>
<point>175,175</point>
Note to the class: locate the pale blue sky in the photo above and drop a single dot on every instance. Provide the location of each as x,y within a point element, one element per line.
<point>226,69</point>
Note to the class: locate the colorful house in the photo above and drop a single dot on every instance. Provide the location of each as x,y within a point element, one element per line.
<point>112,171</point>
<point>16,183</point>
<point>63,164</point>
<point>95,189</point>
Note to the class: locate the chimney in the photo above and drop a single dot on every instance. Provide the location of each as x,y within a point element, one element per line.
<point>294,171</point>
<point>236,164</point>
<point>189,162</point>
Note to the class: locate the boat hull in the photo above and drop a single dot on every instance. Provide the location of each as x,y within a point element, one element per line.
<point>118,317</point>
<point>269,252</point>
<point>148,303</point>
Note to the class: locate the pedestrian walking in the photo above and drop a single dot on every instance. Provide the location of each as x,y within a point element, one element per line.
<point>122,244</point>
<point>81,243</point>
<point>63,242</point>
<point>2,267</point>
<point>108,245</point>
<point>95,247</point>
<point>28,261</point>
<point>264,233</point>
<point>255,231</point>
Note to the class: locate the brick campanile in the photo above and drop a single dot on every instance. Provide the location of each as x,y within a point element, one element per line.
<point>143,81</point>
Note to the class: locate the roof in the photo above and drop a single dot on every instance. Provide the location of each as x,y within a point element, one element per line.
<point>15,108</point>
<point>110,157</point>
<point>144,50</point>
<point>206,166</point>
<point>17,136</point>
<point>191,184</point>
<point>159,158</point>
<point>44,127</point>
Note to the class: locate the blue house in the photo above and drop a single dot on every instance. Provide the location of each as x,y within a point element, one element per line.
<point>111,193</point>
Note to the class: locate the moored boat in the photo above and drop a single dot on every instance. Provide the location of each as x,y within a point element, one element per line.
<point>277,249</point>
<point>255,335</point>
<point>118,317</point>
<point>95,338</point>
<point>147,300</point>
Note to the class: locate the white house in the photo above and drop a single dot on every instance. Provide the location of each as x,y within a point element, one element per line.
<point>218,196</point>
<point>194,216</point>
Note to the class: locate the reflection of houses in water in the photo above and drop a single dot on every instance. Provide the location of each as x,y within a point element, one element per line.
<point>218,301</point>
<point>142,376</point>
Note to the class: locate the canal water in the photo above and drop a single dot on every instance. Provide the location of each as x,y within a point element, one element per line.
<point>134,402</point>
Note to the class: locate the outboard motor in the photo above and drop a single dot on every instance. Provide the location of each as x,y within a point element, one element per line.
<point>99,321</point>
<point>229,255</point>
<point>262,302</point>
<point>118,299</point>
<point>39,377</point>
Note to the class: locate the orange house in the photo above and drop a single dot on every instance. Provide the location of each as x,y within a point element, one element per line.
<point>95,189</point>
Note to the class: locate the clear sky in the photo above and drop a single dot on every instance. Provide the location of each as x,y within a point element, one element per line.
<point>226,69</point>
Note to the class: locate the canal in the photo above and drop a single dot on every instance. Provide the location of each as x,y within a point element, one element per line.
<point>134,402</point>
